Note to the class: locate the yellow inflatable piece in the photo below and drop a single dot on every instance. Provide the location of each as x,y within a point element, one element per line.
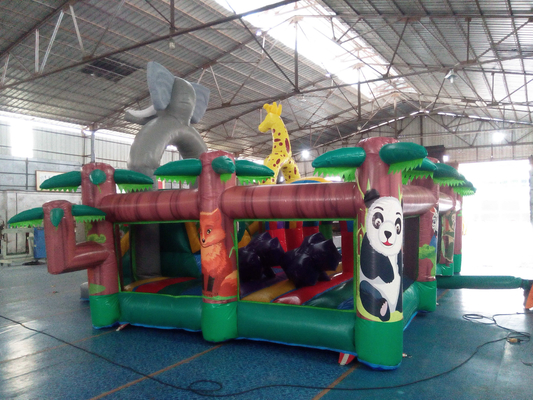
<point>131,287</point>
<point>311,178</point>
<point>192,234</point>
<point>253,227</point>
<point>268,294</point>
<point>124,244</point>
<point>245,239</point>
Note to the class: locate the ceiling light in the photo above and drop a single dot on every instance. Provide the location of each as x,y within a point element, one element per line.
<point>450,76</point>
<point>305,154</point>
<point>258,32</point>
<point>498,137</point>
<point>171,44</point>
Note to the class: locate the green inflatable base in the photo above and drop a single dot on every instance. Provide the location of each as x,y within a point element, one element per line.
<point>219,321</point>
<point>427,296</point>
<point>420,296</point>
<point>479,282</point>
<point>457,261</point>
<point>163,311</point>
<point>105,310</point>
<point>379,344</point>
<point>445,270</point>
<point>297,325</point>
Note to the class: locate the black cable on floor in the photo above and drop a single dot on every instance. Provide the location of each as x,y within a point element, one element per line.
<point>513,336</point>
<point>211,392</point>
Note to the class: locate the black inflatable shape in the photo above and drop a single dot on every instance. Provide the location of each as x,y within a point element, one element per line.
<point>249,266</point>
<point>306,265</point>
<point>268,249</point>
<point>299,268</point>
<point>258,257</point>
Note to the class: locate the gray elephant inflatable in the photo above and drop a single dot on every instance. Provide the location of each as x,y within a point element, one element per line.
<point>176,104</point>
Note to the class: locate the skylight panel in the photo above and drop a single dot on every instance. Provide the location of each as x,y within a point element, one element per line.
<point>317,31</point>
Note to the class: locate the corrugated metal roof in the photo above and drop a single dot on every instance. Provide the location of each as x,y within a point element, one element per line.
<point>486,44</point>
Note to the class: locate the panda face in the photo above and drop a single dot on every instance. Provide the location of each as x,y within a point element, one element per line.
<point>384,226</point>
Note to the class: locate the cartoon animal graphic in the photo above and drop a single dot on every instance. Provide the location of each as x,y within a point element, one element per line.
<point>380,275</point>
<point>448,238</point>
<point>176,104</point>
<point>281,156</point>
<point>434,226</point>
<point>216,265</point>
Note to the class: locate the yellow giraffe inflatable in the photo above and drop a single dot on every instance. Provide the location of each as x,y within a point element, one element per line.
<point>281,156</point>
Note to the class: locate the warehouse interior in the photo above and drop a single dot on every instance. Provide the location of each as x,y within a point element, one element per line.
<point>452,76</point>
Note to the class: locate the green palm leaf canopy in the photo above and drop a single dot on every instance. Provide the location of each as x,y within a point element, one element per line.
<point>131,181</point>
<point>424,170</point>
<point>69,182</point>
<point>35,216</point>
<point>182,170</point>
<point>27,219</point>
<point>340,162</point>
<point>402,156</point>
<point>248,171</point>
<point>447,175</point>
<point>465,189</point>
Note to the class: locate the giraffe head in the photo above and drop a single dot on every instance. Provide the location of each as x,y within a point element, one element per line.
<point>272,117</point>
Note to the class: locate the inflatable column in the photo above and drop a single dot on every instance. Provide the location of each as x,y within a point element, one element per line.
<point>294,234</point>
<point>97,181</point>
<point>347,245</point>
<point>219,272</point>
<point>276,229</point>
<point>379,317</point>
<point>446,245</point>
<point>427,248</point>
<point>310,228</point>
<point>326,229</point>
<point>458,244</point>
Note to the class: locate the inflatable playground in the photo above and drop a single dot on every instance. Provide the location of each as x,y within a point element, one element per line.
<point>341,266</point>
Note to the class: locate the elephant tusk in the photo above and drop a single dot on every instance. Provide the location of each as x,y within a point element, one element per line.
<point>141,117</point>
<point>146,113</point>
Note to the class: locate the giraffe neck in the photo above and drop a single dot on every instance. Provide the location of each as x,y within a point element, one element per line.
<point>280,138</point>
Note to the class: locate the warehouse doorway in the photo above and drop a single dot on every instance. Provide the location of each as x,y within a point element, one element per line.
<point>498,235</point>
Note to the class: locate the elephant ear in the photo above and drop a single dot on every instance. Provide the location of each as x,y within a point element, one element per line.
<point>160,83</point>
<point>202,99</point>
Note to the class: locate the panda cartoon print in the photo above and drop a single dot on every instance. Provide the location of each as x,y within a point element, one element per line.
<point>380,275</point>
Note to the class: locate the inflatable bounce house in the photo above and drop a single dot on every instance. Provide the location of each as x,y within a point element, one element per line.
<point>238,260</point>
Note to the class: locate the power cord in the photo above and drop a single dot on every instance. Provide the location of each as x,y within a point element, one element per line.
<point>196,386</point>
<point>513,336</point>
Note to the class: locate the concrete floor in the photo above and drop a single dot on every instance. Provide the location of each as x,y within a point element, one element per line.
<point>36,366</point>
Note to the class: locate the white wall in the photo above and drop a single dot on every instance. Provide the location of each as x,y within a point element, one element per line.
<point>61,149</point>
